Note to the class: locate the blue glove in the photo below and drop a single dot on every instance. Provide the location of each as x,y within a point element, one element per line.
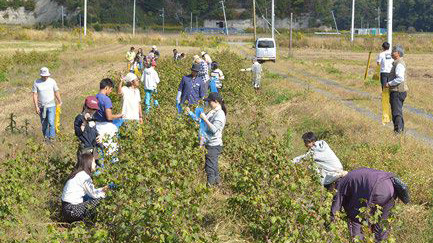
<point>111,185</point>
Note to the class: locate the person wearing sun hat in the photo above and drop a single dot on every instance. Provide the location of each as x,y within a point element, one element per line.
<point>203,72</point>
<point>215,121</point>
<point>45,93</point>
<point>155,52</point>
<point>191,88</point>
<point>131,108</point>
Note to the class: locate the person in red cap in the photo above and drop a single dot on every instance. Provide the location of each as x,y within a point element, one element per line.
<point>85,127</point>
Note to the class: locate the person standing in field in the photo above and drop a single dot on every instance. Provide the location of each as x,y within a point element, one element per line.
<point>203,73</point>
<point>150,80</point>
<point>207,58</point>
<point>215,121</point>
<point>256,69</point>
<point>397,84</point>
<point>45,93</point>
<point>369,188</point>
<point>141,58</point>
<point>79,196</point>
<point>384,60</point>
<point>155,52</point>
<point>329,166</point>
<point>130,57</point>
<point>191,88</point>
<point>218,75</point>
<point>104,116</point>
<point>131,108</point>
<point>85,127</point>
<point>175,54</point>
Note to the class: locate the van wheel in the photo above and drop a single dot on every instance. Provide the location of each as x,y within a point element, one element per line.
<point>273,61</point>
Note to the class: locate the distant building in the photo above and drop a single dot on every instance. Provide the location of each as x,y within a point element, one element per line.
<point>371,31</point>
<point>302,22</point>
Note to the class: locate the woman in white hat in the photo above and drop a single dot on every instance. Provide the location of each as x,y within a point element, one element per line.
<point>131,107</point>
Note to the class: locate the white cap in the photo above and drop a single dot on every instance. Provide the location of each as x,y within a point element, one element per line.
<point>130,77</point>
<point>154,47</point>
<point>45,72</point>
<point>195,58</point>
<point>203,52</point>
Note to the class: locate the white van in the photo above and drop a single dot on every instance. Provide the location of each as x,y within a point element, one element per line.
<point>266,50</point>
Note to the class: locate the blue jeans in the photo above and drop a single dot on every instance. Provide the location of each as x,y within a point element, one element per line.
<point>147,99</point>
<point>48,129</point>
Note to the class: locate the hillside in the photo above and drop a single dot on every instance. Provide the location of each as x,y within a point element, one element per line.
<point>409,15</point>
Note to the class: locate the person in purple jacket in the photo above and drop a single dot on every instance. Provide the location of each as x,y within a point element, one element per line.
<point>365,188</point>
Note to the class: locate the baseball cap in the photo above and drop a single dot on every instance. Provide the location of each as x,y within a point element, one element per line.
<point>130,77</point>
<point>154,47</point>
<point>45,72</point>
<point>92,102</point>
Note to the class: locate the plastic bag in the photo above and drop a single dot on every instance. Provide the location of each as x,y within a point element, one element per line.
<point>57,118</point>
<point>386,107</point>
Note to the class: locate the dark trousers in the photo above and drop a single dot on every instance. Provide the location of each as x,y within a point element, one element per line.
<point>384,77</point>
<point>78,212</point>
<point>383,195</point>
<point>211,164</point>
<point>396,100</point>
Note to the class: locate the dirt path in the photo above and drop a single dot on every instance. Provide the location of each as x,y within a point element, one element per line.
<point>307,80</point>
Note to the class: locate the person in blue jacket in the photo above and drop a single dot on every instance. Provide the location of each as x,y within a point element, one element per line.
<point>191,89</point>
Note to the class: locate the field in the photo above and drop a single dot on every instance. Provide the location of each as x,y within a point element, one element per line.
<point>162,195</point>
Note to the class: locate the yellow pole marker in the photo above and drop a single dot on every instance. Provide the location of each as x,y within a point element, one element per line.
<point>57,118</point>
<point>368,66</point>
<point>386,107</point>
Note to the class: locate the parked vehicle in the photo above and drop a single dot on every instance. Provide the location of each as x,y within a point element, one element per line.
<point>266,50</point>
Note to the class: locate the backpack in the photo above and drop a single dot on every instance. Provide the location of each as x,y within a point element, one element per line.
<point>401,190</point>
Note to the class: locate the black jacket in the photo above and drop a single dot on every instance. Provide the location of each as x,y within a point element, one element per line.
<point>86,137</point>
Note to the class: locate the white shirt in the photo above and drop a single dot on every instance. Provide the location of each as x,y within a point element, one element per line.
<point>220,77</point>
<point>399,75</point>
<point>150,78</point>
<point>45,90</point>
<point>79,186</point>
<point>131,103</point>
<point>329,166</point>
<point>385,60</point>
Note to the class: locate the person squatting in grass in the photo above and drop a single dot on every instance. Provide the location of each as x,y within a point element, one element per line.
<point>80,197</point>
<point>150,80</point>
<point>368,188</point>
<point>384,60</point>
<point>104,116</point>
<point>131,108</point>
<point>215,121</point>
<point>328,165</point>
<point>45,93</point>
<point>85,127</point>
<point>130,56</point>
<point>398,88</point>
<point>218,76</point>
<point>256,69</point>
<point>191,88</point>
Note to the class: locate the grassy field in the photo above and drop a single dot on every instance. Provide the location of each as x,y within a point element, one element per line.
<point>294,99</point>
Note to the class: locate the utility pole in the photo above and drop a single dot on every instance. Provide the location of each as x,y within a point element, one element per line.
<point>352,30</point>
<point>85,17</point>
<point>196,22</point>
<point>254,20</point>
<point>291,30</point>
<point>63,20</point>
<point>225,19</point>
<point>191,24</point>
<point>133,20</point>
<point>335,21</point>
<point>163,20</point>
<point>273,19</point>
<point>378,18</point>
<point>390,5</point>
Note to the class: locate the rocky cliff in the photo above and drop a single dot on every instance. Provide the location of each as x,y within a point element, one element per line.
<point>46,11</point>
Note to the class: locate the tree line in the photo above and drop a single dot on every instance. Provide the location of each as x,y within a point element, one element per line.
<point>408,14</point>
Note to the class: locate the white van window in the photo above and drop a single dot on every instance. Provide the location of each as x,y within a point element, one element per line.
<point>266,44</point>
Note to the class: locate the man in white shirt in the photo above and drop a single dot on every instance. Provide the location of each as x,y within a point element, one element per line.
<point>131,108</point>
<point>256,69</point>
<point>398,86</point>
<point>384,60</point>
<point>329,166</point>
<point>45,92</point>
